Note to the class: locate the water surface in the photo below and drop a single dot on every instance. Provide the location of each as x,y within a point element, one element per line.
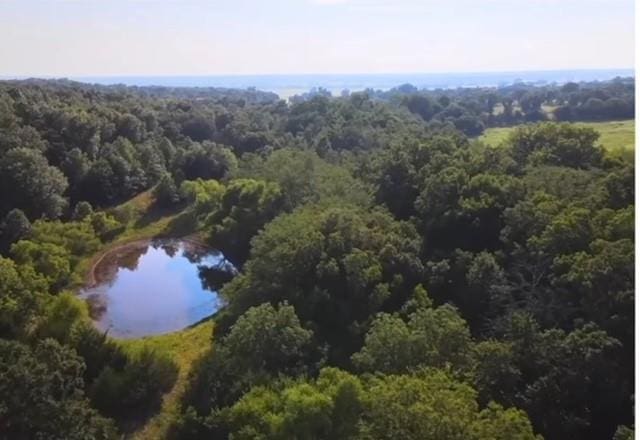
<point>288,85</point>
<point>150,288</point>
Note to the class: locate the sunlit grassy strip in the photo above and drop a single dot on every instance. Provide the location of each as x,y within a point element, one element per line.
<point>614,135</point>
<point>184,347</point>
<point>139,206</point>
<point>495,136</point>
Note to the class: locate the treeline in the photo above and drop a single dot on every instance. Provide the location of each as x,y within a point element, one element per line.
<point>250,95</point>
<point>396,280</point>
<point>63,142</point>
<point>472,109</point>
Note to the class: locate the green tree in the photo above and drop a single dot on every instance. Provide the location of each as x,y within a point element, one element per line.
<point>336,266</point>
<point>22,295</point>
<point>78,238</point>
<point>81,211</point>
<point>398,173</point>
<point>556,144</point>
<point>304,177</point>
<point>559,382</point>
<point>166,192</point>
<point>430,337</point>
<point>136,388</point>
<point>61,316</point>
<point>29,183</point>
<point>246,206</point>
<point>96,349</point>
<point>327,408</point>
<point>338,405</point>
<point>41,394</point>
<point>105,226</point>
<point>432,405</point>
<point>497,376</point>
<point>16,226</point>
<point>269,339</point>
<point>206,161</point>
<point>204,196</point>
<point>50,260</point>
<point>264,342</point>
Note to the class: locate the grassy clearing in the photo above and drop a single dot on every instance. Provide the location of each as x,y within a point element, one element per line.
<point>495,136</point>
<point>142,220</point>
<point>184,347</point>
<point>615,136</point>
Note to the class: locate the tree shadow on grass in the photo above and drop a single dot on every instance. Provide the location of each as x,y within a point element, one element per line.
<point>155,213</point>
<point>182,224</point>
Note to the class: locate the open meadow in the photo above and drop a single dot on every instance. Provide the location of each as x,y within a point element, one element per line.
<point>614,135</point>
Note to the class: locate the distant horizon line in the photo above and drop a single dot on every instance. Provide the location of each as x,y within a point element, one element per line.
<point>457,72</point>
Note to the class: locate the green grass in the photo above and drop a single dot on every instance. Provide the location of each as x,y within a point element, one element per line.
<point>184,347</point>
<point>142,220</point>
<point>495,136</point>
<point>615,136</point>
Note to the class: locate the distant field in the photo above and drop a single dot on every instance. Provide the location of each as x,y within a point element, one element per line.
<point>614,136</point>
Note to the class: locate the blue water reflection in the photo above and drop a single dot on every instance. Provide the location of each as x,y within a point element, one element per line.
<point>156,287</point>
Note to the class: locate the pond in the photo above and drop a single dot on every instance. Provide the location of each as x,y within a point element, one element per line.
<point>155,287</point>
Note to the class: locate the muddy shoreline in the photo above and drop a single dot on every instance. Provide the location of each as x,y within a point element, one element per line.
<point>92,280</point>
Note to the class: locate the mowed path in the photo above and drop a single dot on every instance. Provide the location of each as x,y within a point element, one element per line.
<point>185,347</point>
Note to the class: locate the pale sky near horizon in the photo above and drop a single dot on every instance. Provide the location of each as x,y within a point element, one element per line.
<point>207,37</point>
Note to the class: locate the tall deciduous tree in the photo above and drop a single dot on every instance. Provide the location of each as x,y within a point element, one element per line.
<point>29,183</point>
<point>41,394</point>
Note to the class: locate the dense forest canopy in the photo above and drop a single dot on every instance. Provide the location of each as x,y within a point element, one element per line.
<point>471,109</point>
<point>397,278</point>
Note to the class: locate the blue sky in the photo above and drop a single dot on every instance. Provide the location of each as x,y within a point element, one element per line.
<point>201,37</point>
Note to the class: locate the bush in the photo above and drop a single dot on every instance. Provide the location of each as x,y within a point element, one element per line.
<point>166,192</point>
<point>136,388</point>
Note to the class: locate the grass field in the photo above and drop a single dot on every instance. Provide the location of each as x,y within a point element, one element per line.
<point>184,347</point>
<point>615,136</point>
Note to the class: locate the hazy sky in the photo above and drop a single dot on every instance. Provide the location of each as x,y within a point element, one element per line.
<point>200,37</point>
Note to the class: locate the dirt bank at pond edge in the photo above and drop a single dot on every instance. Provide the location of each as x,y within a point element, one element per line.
<point>91,279</point>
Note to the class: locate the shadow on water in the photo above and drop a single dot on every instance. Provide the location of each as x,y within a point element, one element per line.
<point>215,277</point>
